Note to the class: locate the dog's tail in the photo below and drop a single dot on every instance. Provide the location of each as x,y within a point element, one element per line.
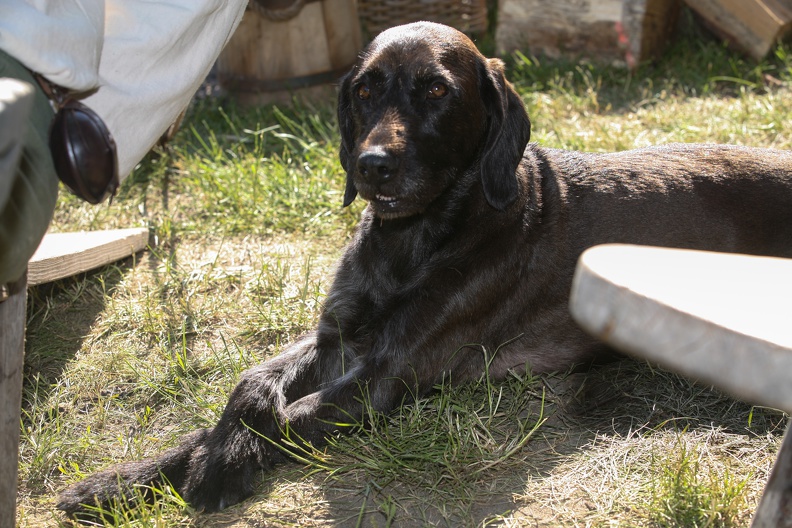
<point>129,482</point>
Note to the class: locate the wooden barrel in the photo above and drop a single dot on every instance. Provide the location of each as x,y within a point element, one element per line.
<point>300,47</point>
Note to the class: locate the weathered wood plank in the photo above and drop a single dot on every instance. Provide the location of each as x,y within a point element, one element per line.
<point>62,255</point>
<point>269,60</point>
<point>12,340</point>
<point>753,26</point>
<point>342,28</point>
<point>721,318</point>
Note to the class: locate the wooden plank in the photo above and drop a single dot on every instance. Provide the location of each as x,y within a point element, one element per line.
<point>307,42</point>
<point>648,27</point>
<point>720,318</point>
<point>269,61</point>
<point>753,26</point>
<point>12,342</point>
<point>62,255</point>
<point>342,26</point>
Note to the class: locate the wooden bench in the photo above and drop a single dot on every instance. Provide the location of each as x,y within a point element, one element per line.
<point>723,319</point>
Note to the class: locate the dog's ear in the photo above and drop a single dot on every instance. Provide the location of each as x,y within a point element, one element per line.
<point>508,132</point>
<point>347,128</point>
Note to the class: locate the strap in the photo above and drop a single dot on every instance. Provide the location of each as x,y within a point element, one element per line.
<point>240,83</point>
<point>279,10</point>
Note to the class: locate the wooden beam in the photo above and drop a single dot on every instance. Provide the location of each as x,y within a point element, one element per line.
<point>62,255</point>
<point>12,353</point>
<point>753,26</point>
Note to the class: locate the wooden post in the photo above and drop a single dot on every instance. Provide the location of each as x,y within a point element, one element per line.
<point>774,508</point>
<point>12,352</point>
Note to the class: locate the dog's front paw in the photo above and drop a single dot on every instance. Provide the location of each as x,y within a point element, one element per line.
<point>129,482</point>
<point>97,493</point>
<point>94,491</point>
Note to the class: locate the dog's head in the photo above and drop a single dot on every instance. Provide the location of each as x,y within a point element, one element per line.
<point>420,108</point>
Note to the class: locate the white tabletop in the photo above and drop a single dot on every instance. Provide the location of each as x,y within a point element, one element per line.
<point>724,319</point>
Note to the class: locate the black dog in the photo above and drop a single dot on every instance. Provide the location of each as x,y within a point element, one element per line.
<point>464,255</point>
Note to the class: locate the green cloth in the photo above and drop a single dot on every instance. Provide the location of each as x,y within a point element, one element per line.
<point>25,217</point>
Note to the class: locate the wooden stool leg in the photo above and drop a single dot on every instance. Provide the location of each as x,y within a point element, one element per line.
<point>775,508</point>
<point>12,351</point>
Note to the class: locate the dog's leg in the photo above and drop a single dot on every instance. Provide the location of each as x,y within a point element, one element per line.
<point>215,467</point>
<point>222,468</point>
<point>317,386</point>
<point>118,483</point>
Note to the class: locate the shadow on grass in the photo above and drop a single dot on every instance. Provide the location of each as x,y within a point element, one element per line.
<point>621,400</point>
<point>61,314</point>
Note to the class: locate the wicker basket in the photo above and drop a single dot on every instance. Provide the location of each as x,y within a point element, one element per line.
<point>469,16</point>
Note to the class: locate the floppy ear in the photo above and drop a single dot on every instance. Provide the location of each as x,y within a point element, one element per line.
<point>347,128</point>
<point>509,130</point>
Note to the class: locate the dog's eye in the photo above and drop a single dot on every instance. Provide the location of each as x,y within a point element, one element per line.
<point>438,90</point>
<point>363,92</point>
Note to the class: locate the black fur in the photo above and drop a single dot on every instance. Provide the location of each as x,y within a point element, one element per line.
<point>468,244</point>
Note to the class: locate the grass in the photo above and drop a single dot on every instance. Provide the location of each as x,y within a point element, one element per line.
<point>686,493</point>
<point>246,222</point>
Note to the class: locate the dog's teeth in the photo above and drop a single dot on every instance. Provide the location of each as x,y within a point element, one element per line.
<point>383,198</point>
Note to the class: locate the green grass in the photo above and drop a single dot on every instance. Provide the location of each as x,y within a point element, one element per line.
<point>246,222</point>
<point>683,492</point>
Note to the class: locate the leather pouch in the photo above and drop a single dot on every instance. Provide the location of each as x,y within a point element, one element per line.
<point>84,152</point>
<point>82,147</point>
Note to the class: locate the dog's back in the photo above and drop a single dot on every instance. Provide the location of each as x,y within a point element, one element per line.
<point>709,197</point>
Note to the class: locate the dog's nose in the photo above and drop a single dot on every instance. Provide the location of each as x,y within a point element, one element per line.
<point>376,166</point>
